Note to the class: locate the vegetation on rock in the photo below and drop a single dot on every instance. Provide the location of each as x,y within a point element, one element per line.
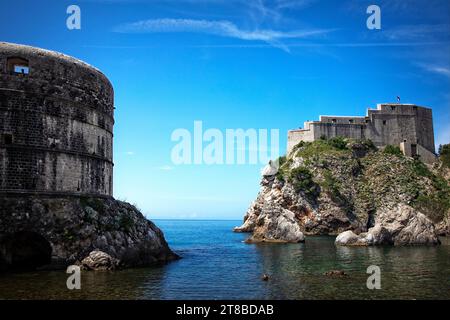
<point>342,184</point>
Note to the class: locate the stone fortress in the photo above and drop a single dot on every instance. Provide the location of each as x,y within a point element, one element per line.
<point>405,125</point>
<point>56,124</point>
<point>56,169</point>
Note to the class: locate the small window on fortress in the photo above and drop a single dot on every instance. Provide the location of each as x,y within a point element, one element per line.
<point>21,69</point>
<point>384,122</point>
<point>333,120</point>
<point>393,108</point>
<point>7,138</point>
<point>18,66</point>
<point>350,121</point>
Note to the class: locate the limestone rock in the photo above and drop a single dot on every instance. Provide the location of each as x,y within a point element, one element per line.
<point>277,225</point>
<point>269,170</point>
<point>99,260</point>
<point>350,238</point>
<point>402,225</point>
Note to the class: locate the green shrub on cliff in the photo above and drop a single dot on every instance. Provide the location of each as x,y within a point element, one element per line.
<point>314,150</point>
<point>421,169</point>
<point>126,223</point>
<point>95,203</point>
<point>339,143</point>
<point>283,167</point>
<point>302,180</point>
<point>332,186</point>
<point>394,150</point>
<point>435,204</point>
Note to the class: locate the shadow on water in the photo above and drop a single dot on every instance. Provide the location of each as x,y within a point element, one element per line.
<point>217,264</point>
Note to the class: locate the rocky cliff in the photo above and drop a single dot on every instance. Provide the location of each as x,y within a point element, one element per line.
<point>40,232</point>
<point>328,187</point>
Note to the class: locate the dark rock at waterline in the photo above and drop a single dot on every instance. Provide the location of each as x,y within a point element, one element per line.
<point>265,277</point>
<point>54,232</point>
<point>336,273</point>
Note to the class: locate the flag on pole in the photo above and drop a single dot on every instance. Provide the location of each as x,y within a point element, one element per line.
<point>398,98</point>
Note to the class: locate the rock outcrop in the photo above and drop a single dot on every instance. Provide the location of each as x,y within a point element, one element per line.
<point>351,189</point>
<point>400,226</point>
<point>99,260</point>
<point>54,232</point>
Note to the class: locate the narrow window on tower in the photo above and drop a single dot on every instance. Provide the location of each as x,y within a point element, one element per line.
<point>17,65</point>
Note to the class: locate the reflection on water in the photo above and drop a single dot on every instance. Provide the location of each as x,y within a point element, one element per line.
<point>216,264</point>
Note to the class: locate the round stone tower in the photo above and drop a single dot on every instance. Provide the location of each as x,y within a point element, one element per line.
<point>56,124</point>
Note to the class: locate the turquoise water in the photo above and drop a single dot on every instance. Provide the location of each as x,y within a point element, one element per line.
<point>217,264</point>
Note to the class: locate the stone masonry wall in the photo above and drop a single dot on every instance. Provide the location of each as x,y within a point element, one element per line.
<point>56,124</point>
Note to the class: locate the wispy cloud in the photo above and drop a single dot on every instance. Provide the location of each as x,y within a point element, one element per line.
<point>416,32</point>
<point>442,70</point>
<point>221,28</point>
<point>165,168</point>
<point>129,153</point>
<point>293,4</point>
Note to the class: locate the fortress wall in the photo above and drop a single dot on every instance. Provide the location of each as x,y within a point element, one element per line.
<point>331,130</point>
<point>39,122</point>
<point>391,129</point>
<point>425,155</point>
<point>342,120</point>
<point>52,172</point>
<point>295,136</point>
<point>425,130</point>
<point>56,125</point>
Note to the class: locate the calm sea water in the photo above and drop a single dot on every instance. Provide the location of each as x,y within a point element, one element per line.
<point>217,264</point>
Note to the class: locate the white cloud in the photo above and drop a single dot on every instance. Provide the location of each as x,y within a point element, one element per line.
<point>221,28</point>
<point>129,153</point>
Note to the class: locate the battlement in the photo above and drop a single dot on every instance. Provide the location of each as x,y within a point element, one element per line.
<point>406,125</point>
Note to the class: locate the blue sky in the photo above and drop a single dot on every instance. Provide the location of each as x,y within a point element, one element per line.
<point>237,64</point>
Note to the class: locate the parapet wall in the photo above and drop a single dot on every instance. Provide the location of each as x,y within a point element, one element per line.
<point>56,124</point>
